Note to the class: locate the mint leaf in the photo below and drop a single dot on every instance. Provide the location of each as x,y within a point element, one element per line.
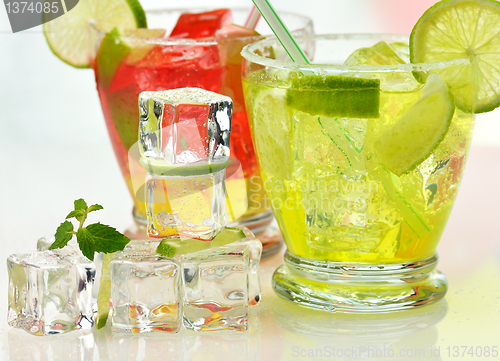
<point>80,204</point>
<point>63,234</point>
<point>94,207</point>
<point>86,242</point>
<point>96,237</point>
<point>78,214</point>
<point>107,239</point>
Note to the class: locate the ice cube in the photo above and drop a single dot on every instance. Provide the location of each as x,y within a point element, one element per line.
<point>201,25</point>
<point>145,291</point>
<point>186,206</point>
<point>219,285</point>
<point>382,53</point>
<point>44,243</point>
<point>50,292</point>
<point>379,54</point>
<point>183,126</point>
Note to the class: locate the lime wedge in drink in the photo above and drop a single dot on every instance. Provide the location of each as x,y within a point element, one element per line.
<point>269,113</point>
<point>115,49</point>
<point>161,167</point>
<point>71,37</point>
<point>454,29</point>
<point>335,96</point>
<point>419,131</point>
<point>104,294</point>
<point>109,57</point>
<point>173,246</point>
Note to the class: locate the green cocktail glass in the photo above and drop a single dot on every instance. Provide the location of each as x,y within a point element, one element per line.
<point>361,156</point>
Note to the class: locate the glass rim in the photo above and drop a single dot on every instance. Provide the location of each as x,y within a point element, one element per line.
<point>203,41</point>
<point>248,53</point>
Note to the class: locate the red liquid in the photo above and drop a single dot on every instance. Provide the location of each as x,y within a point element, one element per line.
<point>168,67</point>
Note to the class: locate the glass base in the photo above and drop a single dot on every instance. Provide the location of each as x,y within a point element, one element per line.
<point>359,288</point>
<point>262,225</point>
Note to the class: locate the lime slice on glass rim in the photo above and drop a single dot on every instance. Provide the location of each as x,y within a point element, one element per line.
<point>420,130</point>
<point>71,38</point>
<point>453,29</point>
<point>174,247</point>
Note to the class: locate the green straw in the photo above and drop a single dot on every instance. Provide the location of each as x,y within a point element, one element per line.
<point>279,29</point>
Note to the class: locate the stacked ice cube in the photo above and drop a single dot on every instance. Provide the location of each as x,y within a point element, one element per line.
<point>184,143</point>
<point>211,289</point>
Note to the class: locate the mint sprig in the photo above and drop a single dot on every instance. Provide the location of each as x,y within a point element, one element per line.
<point>93,238</point>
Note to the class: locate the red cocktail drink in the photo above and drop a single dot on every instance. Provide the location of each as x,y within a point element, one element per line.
<point>146,59</point>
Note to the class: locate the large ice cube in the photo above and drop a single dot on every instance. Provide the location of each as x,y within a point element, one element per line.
<point>219,285</point>
<point>44,243</point>
<point>145,291</point>
<point>50,292</point>
<point>201,25</point>
<point>382,53</point>
<point>183,126</point>
<point>186,206</point>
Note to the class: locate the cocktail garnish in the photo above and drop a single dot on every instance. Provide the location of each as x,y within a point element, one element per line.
<point>71,37</point>
<point>93,238</point>
<point>420,130</point>
<point>453,29</point>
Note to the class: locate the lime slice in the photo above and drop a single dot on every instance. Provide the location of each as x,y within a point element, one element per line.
<point>335,96</point>
<point>273,130</point>
<point>71,37</point>
<point>173,246</point>
<point>116,49</point>
<point>109,57</point>
<point>160,167</point>
<point>104,294</point>
<point>420,130</point>
<point>454,29</point>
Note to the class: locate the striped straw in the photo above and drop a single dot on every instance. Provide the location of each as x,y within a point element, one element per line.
<point>279,29</point>
<point>253,19</point>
